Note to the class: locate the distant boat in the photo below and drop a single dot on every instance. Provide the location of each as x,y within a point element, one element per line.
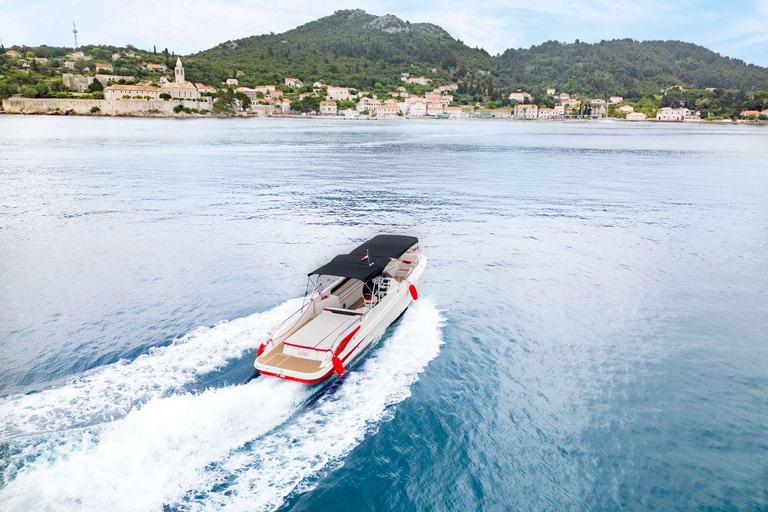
<point>373,286</point>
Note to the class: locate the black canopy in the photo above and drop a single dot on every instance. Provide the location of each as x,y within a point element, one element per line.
<point>387,246</point>
<point>380,249</point>
<point>349,265</point>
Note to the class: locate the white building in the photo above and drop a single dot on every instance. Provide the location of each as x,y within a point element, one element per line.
<point>672,114</point>
<point>117,92</point>
<point>636,116</point>
<point>387,111</point>
<point>519,96</point>
<point>368,104</point>
<point>293,82</point>
<point>328,108</point>
<point>548,113</point>
<point>339,93</point>
<point>597,101</point>
<point>180,88</point>
<point>526,111</point>
<point>416,80</point>
<point>417,108</point>
<point>455,112</point>
<point>264,89</point>
<point>231,81</point>
<point>616,99</point>
<point>551,91</point>
<point>564,96</point>
<point>103,67</point>
<point>626,109</point>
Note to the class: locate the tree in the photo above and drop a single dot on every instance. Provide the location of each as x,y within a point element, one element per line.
<point>94,86</point>
<point>28,92</point>
<point>165,96</point>
<point>244,99</point>
<point>30,55</point>
<point>80,65</point>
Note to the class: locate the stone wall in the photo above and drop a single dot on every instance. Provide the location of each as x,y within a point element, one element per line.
<point>18,105</point>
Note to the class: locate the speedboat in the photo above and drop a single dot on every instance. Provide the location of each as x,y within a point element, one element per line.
<point>349,303</point>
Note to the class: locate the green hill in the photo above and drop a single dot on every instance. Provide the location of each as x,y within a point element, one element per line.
<point>358,49</point>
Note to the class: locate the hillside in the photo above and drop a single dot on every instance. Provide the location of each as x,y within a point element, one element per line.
<point>358,49</point>
<point>351,48</point>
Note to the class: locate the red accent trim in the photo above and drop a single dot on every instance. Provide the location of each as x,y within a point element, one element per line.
<point>414,293</point>
<point>344,342</point>
<point>337,366</point>
<point>261,350</point>
<point>310,381</point>
<point>295,379</point>
<point>406,262</point>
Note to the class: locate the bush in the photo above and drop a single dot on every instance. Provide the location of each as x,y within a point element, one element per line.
<point>195,111</point>
<point>165,96</point>
<point>28,92</point>
<point>178,108</point>
<point>95,109</point>
<point>98,95</point>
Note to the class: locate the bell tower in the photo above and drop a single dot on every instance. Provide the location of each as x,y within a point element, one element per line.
<point>179,71</point>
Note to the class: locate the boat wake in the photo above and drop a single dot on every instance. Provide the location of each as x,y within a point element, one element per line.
<point>247,446</point>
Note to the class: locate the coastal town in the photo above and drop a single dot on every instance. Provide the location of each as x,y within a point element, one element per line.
<point>89,85</point>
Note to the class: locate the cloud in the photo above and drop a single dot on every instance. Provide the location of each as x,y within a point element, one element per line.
<point>186,26</point>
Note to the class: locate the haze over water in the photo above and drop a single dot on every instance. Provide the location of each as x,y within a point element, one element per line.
<point>592,332</point>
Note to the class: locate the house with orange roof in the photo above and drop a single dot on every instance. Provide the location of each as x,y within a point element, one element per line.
<point>387,111</point>
<point>13,54</point>
<point>104,67</point>
<point>328,108</point>
<point>156,67</point>
<point>748,113</point>
<point>205,88</point>
<point>526,111</point>
<point>626,109</point>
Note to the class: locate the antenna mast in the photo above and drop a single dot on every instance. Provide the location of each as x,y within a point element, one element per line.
<point>74,31</point>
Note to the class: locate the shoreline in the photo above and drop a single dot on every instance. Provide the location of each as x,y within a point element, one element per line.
<point>185,116</point>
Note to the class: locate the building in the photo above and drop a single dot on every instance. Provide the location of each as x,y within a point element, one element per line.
<point>748,113</point>
<point>455,112</point>
<point>369,104</point>
<point>597,101</point>
<point>764,112</point>
<point>78,83</point>
<point>636,116</point>
<point>672,114</point>
<point>417,108</point>
<point>626,109</point>
<point>495,113</point>
<point>564,96</point>
<point>285,106</point>
<point>293,82</point>
<point>115,56</point>
<point>231,81</point>
<point>434,109</point>
<point>205,88</point>
<point>387,111</point>
<point>40,60</point>
<point>328,108</point>
<point>69,64</point>
<point>117,92</point>
<point>318,85</point>
<point>180,88</point>
<point>569,103</point>
<point>13,54</point>
<point>519,96</point>
<point>77,55</point>
<point>551,91</point>
<point>339,93</point>
<point>549,113</point>
<point>416,80</point>
<point>156,67</point>
<point>103,67</point>
<point>526,111</point>
<point>264,89</point>
<point>616,99</point>
<point>560,109</point>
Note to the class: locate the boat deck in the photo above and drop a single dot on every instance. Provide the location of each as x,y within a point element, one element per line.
<point>277,359</point>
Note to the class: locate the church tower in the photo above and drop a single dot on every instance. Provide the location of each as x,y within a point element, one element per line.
<point>179,71</point>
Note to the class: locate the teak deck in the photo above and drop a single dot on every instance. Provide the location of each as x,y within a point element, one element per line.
<point>277,359</point>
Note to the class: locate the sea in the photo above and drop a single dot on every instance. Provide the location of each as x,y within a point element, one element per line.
<point>591,331</point>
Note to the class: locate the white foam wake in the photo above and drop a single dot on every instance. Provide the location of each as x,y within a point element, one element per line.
<point>175,450</point>
<point>111,391</point>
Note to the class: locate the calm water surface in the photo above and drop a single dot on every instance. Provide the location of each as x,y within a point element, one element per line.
<point>592,333</point>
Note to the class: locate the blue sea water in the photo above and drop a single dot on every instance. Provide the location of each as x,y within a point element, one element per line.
<point>592,332</point>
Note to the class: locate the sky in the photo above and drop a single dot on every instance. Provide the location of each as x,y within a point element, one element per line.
<point>738,28</point>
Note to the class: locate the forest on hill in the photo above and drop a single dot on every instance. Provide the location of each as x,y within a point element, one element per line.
<point>357,49</point>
